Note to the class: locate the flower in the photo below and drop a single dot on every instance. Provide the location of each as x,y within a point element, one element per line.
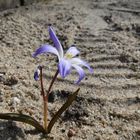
<point>67,61</point>
<point>37,73</point>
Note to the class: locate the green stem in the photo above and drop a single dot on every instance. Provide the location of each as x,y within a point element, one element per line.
<point>41,83</point>
<point>45,97</point>
<point>45,114</point>
<point>46,101</point>
<point>52,82</point>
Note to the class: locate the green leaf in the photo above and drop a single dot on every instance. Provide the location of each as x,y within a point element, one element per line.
<point>23,118</point>
<point>69,101</point>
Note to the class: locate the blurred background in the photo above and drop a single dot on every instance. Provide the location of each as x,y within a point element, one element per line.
<point>6,4</point>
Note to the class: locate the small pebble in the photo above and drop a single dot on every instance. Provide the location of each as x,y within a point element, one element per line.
<point>15,101</point>
<point>71,133</point>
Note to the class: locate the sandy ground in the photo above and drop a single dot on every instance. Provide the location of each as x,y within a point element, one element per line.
<point>107,32</point>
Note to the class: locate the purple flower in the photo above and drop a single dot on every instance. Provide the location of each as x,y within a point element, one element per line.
<point>37,73</point>
<point>67,61</point>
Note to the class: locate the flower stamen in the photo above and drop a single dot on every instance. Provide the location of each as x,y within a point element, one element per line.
<point>69,56</point>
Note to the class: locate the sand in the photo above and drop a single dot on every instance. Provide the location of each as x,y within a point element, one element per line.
<point>107,33</point>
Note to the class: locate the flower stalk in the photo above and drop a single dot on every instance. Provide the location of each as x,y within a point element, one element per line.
<point>45,96</point>
<point>41,83</point>
<point>52,82</point>
<point>44,99</point>
<point>45,114</point>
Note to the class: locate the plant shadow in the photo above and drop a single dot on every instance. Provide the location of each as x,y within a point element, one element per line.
<point>9,131</point>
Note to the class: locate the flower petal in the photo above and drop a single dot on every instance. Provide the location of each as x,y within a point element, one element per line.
<point>46,49</point>
<point>78,61</point>
<point>56,42</point>
<point>37,73</point>
<point>71,52</point>
<point>80,72</point>
<point>64,67</point>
